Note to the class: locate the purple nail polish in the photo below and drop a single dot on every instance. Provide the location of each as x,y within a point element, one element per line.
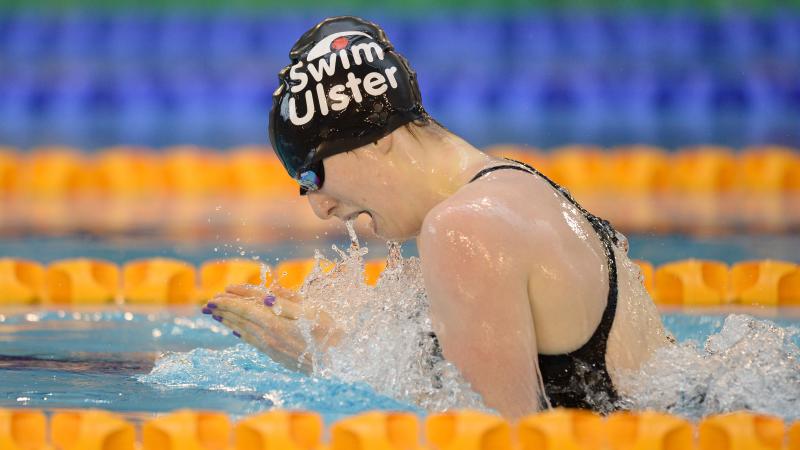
<point>206,311</point>
<point>212,305</point>
<point>217,318</point>
<point>236,333</point>
<point>269,300</point>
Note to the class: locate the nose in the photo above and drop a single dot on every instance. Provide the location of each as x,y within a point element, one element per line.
<point>322,204</point>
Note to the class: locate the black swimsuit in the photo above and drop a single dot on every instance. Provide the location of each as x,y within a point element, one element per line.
<point>580,379</point>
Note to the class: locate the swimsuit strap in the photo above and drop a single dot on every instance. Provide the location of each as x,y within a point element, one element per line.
<point>604,229</point>
<point>505,166</point>
<point>593,352</point>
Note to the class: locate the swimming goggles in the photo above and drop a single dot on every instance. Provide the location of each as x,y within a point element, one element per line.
<point>311,177</point>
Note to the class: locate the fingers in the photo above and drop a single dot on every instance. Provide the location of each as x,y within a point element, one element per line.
<point>247,290</point>
<point>286,293</point>
<point>287,310</point>
<point>247,306</point>
<point>281,344</point>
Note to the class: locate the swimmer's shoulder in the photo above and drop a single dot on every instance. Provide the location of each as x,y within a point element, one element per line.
<point>513,212</point>
<point>496,213</point>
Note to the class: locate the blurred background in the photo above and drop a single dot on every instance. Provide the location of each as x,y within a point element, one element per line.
<point>542,73</point>
<point>136,127</point>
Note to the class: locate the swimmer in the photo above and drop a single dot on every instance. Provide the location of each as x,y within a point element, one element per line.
<point>527,294</point>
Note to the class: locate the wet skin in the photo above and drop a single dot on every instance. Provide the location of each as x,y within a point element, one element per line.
<point>510,267</point>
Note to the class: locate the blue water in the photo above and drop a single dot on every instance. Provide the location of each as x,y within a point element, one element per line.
<point>105,359</point>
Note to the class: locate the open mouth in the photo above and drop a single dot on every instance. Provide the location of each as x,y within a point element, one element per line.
<point>355,215</point>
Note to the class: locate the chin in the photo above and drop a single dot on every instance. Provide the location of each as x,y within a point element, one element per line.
<point>393,234</point>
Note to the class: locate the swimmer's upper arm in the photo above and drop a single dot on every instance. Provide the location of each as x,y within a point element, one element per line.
<point>480,309</point>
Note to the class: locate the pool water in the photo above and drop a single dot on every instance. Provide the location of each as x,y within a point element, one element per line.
<point>140,361</point>
<point>656,248</point>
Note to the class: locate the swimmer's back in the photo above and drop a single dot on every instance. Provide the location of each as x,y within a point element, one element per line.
<point>566,267</point>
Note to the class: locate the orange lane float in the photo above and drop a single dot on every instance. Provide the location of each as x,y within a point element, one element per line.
<point>21,281</point>
<point>81,281</point>
<point>193,171</point>
<point>376,430</point>
<point>290,430</point>
<point>638,170</point>
<point>159,281</point>
<point>770,169</point>
<point>164,281</point>
<point>9,170</point>
<point>51,172</point>
<point>692,282</point>
<point>91,430</point>
<point>741,431</point>
<point>256,171</point>
<point>471,430</point>
<point>579,168</point>
<point>793,437</point>
<point>23,429</point>
<point>215,276</point>
<point>128,172</point>
<point>704,170</point>
<point>187,430</point>
<point>648,430</point>
<point>27,429</point>
<point>766,283</point>
<point>562,429</point>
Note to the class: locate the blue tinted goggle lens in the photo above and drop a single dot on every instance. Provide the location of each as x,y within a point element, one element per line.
<point>311,178</point>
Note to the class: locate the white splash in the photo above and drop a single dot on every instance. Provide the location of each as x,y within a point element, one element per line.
<point>750,364</point>
<point>387,341</point>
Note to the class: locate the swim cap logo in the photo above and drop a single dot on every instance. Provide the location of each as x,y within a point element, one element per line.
<point>335,47</point>
<point>339,43</point>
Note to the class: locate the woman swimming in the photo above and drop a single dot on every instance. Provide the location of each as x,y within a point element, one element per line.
<point>526,294</point>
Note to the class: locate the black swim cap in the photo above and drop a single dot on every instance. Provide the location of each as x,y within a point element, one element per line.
<point>345,87</point>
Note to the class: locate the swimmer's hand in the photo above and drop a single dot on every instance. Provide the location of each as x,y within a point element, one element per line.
<point>267,320</point>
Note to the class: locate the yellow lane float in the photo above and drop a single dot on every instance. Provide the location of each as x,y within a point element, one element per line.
<point>741,431</point>
<point>376,431</point>
<point>468,430</point>
<point>193,171</point>
<point>9,170</point>
<point>639,170</point>
<point>21,281</point>
<point>91,430</point>
<point>256,171</point>
<point>23,429</point>
<point>648,430</point>
<point>562,429</point>
<point>159,281</point>
<point>187,430</point>
<point>580,168</point>
<point>81,281</point>
<point>50,172</point>
<point>128,172</point>
<point>290,430</point>
<point>766,283</point>
<point>692,282</point>
<point>704,170</point>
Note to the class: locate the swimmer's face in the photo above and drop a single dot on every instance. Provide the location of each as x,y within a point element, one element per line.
<point>365,181</point>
